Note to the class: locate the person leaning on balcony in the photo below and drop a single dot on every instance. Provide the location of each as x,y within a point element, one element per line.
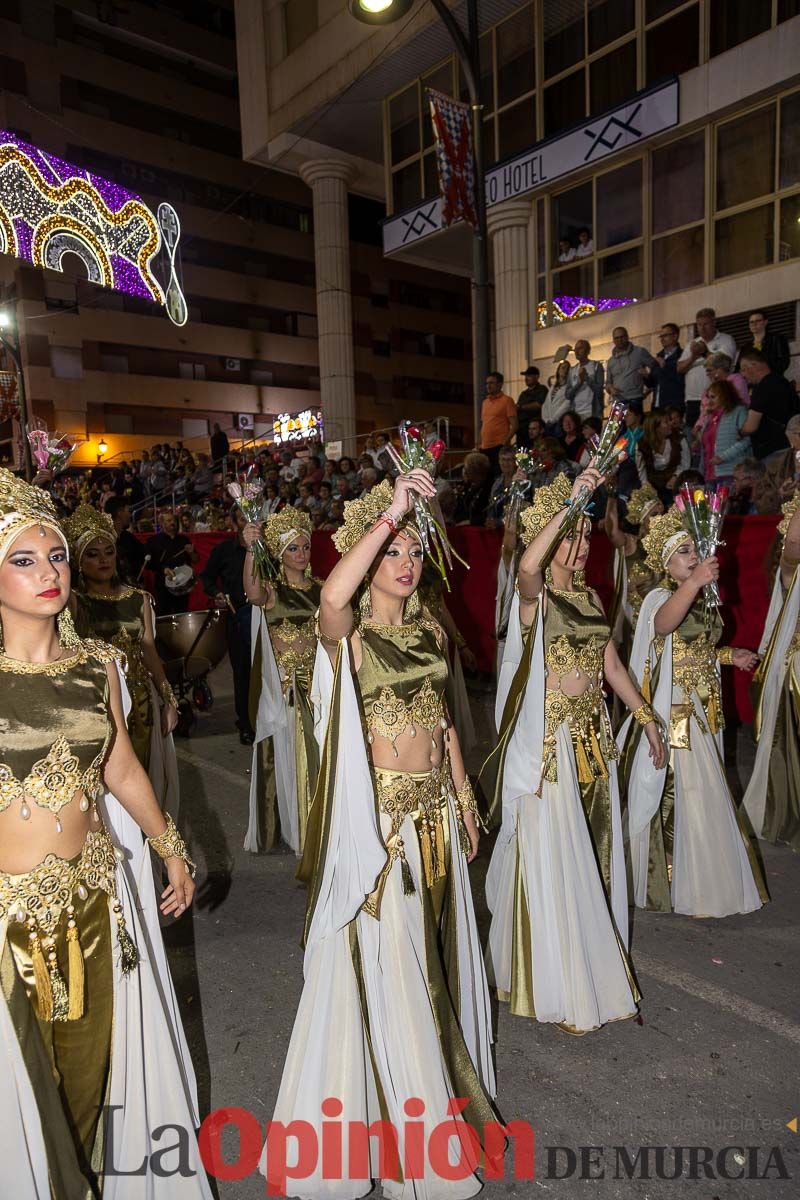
<point>498,419</point>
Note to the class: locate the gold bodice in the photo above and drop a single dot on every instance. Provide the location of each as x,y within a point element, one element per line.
<point>291,626</point>
<point>576,633</point>
<point>641,579</point>
<point>118,620</point>
<point>54,728</point>
<point>402,679</point>
<point>694,670</point>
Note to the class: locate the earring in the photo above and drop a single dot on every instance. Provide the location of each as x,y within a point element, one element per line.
<point>413,606</point>
<point>365,604</point>
<point>67,633</point>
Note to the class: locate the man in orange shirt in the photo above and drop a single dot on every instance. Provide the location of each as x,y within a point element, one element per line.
<point>498,419</point>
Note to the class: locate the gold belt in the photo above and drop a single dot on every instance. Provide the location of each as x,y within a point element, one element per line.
<point>40,898</point>
<point>579,713</point>
<point>423,797</point>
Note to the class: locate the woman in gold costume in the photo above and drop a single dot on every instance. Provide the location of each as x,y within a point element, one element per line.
<point>88,1017</point>
<point>394,1015</point>
<point>285,754</point>
<point>772,799</point>
<point>107,609</point>
<point>633,577</point>
<point>688,848</point>
<point>556,884</point>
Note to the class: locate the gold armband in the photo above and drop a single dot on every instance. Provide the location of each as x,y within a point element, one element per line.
<point>644,714</point>
<point>167,695</point>
<point>170,844</point>
<point>331,643</point>
<point>465,798</point>
<point>725,655</point>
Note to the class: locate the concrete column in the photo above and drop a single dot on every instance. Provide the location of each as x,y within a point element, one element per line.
<point>328,180</point>
<point>508,230</point>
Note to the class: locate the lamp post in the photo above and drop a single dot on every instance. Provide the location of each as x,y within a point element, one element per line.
<point>102,450</point>
<point>9,336</point>
<point>383,12</point>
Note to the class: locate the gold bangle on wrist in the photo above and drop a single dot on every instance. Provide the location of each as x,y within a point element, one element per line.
<point>170,844</point>
<point>465,797</point>
<point>167,695</point>
<point>725,655</point>
<point>644,714</point>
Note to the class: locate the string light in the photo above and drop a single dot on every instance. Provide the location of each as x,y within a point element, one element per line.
<point>50,208</point>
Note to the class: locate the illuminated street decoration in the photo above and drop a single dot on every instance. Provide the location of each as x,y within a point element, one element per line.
<point>50,208</point>
<point>570,308</point>
<point>297,427</point>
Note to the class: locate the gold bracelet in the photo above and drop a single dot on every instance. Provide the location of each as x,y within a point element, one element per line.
<point>465,798</point>
<point>725,655</point>
<point>167,695</point>
<point>170,844</point>
<point>644,714</point>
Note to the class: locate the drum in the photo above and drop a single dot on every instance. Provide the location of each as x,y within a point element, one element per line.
<point>180,580</point>
<point>191,644</point>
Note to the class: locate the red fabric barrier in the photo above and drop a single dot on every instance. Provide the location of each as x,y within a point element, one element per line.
<point>744,583</point>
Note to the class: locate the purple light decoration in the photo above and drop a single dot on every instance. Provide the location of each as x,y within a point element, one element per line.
<point>127,278</point>
<point>56,170</point>
<point>570,304</point>
<point>24,237</point>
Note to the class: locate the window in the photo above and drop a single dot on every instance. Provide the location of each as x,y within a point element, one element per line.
<point>516,128</point>
<point>619,206</point>
<point>563,35</point>
<point>673,46</point>
<point>744,242</point>
<point>679,183</point>
<point>678,261</point>
<point>564,103</point>
<point>746,157</point>
<point>613,78</point>
<point>516,65</point>
<point>621,275</point>
<point>659,8</point>
<point>790,228</point>
<point>571,211</point>
<point>608,21</point>
<point>790,141</point>
<point>734,21</point>
<point>406,187</point>
<point>404,120</point>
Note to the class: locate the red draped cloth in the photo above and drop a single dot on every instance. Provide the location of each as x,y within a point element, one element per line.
<point>744,583</point>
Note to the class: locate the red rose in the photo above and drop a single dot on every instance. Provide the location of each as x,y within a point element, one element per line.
<point>437,449</point>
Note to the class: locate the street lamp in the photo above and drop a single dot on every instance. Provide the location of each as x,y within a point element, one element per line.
<point>102,450</point>
<point>9,337</point>
<point>382,12</point>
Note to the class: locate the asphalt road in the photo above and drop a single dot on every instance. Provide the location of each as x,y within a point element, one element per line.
<point>711,1063</point>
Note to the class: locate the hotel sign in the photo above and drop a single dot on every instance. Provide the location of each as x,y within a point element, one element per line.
<point>646,114</point>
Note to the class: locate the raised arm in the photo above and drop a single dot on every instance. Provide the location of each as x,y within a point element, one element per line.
<point>530,575</point>
<point>256,590</point>
<point>612,526</point>
<point>671,613</point>
<point>335,608</point>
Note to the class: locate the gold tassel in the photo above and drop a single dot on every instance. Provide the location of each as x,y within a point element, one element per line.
<point>41,977</point>
<point>427,852</point>
<point>441,865</point>
<point>59,988</point>
<point>598,755</point>
<point>128,951</point>
<point>645,688</point>
<point>76,972</point>
<point>407,877</point>
<point>464,838</point>
<point>584,769</point>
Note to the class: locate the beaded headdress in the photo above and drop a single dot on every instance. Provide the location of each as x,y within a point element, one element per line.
<point>546,503</point>
<point>83,526</point>
<point>361,514</point>
<point>641,501</point>
<point>282,527</point>
<point>665,534</point>
<point>22,506</point>
<point>788,509</point>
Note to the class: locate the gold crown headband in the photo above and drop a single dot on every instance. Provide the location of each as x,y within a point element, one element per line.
<point>360,515</point>
<point>280,528</point>
<point>23,506</point>
<point>546,503</point>
<point>83,526</point>
<point>665,534</point>
<point>641,502</point>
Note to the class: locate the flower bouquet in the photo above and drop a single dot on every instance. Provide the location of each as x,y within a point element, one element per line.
<point>50,451</point>
<point>248,495</point>
<point>703,513</point>
<point>529,464</point>
<point>609,450</point>
<point>427,511</point>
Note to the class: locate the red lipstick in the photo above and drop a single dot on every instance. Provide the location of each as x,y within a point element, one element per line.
<point>50,594</point>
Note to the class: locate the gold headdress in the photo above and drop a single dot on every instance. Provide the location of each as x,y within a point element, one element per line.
<point>546,503</point>
<point>360,515</point>
<point>665,534</point>
<point>83,526</point>
<point>788,509</point>
<point>641,501</point>
<point>21,506</point>
<point>281,527</point>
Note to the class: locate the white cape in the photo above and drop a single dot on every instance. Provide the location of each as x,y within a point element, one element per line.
<point>152,1079</point>
<point>274,719</point>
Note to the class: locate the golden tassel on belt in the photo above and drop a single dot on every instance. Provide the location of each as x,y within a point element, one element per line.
<point>427,849</point>
<point>441,865</point>
<point>712,712</point>
<point>585,773</point>
<point>76,968</point>
<point>598,756</point>
<point>41,978</point>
